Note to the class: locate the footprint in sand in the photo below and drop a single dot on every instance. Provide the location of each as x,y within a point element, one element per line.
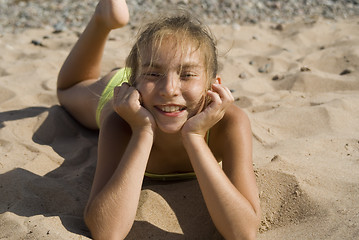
<point>3,72</point>
<point>5,146</point>
<point>6,94</point>
<point>49,97</point>
<point>315,82</point>
<point>49,85</point>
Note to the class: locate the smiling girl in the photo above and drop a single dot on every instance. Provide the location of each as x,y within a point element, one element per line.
<point>164,116</point>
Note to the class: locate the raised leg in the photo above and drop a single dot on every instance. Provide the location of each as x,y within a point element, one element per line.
<point>77,84</point>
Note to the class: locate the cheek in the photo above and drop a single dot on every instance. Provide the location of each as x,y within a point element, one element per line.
<point>146,91</point>
<point>197,89</point>
<point>195,94</point>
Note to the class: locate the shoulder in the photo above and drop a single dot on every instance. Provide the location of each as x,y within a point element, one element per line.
<point>114,136</point>
<point>115,133</point>
<point>232,131</point>
<point>113,125</point>
<point>234,114</point>
<point>234,120</point>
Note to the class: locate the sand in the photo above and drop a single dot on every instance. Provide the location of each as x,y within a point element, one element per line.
<point>299,84</point>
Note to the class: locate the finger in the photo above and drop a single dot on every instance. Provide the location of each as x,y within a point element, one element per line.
<point>223,92</point>
<point>220,90</point>
<point>126,101</point>
<point>214,96</point>
<point>125,92</point>
<point>134,96</point>
<point>123,97</point>
<point>216,108</point>
<point>229,94</point>
<point>119,91</point>
<point>140,97</point>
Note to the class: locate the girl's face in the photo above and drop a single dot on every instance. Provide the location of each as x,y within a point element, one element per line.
<point>172,83</point>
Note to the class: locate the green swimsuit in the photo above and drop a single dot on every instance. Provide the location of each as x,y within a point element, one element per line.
<point>121,76</point>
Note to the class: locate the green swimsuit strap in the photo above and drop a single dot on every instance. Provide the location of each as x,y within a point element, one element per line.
<point>207,137</point>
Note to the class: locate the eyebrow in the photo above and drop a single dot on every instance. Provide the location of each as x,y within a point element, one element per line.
<point>159,66</point>
<point>151,64</point>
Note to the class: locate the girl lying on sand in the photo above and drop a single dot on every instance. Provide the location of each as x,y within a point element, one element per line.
<point>165,116</point>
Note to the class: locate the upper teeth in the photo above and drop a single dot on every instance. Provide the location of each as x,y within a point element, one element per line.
<point>170,108</point>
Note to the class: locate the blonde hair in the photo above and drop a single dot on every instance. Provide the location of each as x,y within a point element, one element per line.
<point>185,29</point>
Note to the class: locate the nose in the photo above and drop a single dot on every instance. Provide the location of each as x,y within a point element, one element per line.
<point>170,85</point>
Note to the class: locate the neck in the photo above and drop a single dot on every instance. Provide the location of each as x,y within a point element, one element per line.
<point>163,139</point>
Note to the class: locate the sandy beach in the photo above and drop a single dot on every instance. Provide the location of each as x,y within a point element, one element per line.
<point>298,83</point>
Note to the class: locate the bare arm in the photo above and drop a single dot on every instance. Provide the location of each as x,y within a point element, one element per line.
<point>230,194</point>
<point>112,206</point>
<point>125,143</point>
<point>233,205</point>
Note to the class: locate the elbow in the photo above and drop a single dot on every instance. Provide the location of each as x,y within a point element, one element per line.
<point>248,231</point>
<point>251,234</point>
<point>93,225</point>
<point>248,234</point>
<point>254,220</point>
<point>252,231</point>
<point>101,230</point>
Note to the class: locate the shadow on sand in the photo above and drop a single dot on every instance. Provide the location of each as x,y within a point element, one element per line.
<point>64,191</point>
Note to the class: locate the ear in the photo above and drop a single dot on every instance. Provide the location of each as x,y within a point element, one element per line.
<point>218,78</point>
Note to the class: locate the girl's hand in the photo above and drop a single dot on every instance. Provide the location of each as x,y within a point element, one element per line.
<point>112,13</point>
<point>221,99</point>
<point>126,103</point>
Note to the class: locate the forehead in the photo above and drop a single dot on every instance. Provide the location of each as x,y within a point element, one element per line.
<point>172,51</point>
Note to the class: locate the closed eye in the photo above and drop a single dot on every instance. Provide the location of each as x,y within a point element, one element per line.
<point>152,74</point>
<point>188,75</point>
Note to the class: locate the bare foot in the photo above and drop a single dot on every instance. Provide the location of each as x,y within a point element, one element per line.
<point>112,13</point>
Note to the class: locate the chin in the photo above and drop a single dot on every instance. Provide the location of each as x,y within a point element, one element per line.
<point>170,129</point>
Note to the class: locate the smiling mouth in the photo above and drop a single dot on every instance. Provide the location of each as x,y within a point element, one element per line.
<point>171,108</point>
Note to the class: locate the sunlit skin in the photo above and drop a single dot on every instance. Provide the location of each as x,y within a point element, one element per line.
<point>172,86</point>
<point>170,89</point>
<point>159,125</point>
